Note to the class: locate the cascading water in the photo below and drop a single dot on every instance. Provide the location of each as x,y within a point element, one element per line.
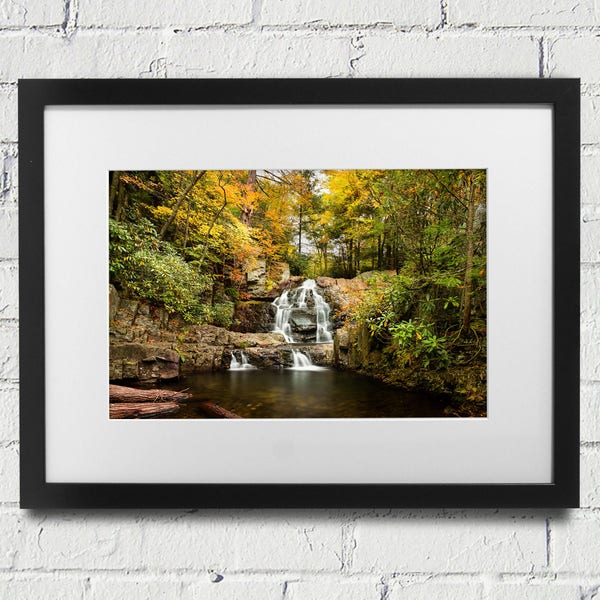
<point>302,362</point>
<point>302,315</point>
<point>283,311</point>
<point>237,365</point>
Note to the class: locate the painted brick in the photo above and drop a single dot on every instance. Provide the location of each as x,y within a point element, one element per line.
<point>334,589</point>
<point>590,412</point>
<point>576,57</point>
<point>411,55</point>
<point>408,12</point>
<point>187,542</point>
<point>156,13</point>
<point>534,591</point>
<point>82,541</point>
<point>300,544</point>
<point>240,588</point>
<point>453,545</point>
<point>590,120</point>
<point>9,411</point>
<point>15,537</point>
<point>8,173</point>
<point>8,113</point>
<point>590,233</point>
<point>576,544</point>
<point>31,13</point>
<point>496,13</point>
<point>201,54</point>
<point>9,228</point>
<point>9,472</point>
<point>590,478</point>
<point>196,542</point>
<point>590,324</point>
<point>85,54</point>
<point>128,555</point>
<point>435,590</point>
<point>33,586</point>
<point>9,291</point>
<point>590,178</point>
<point>217,54</point>
<point>9,354</point>
<point>130,588</point>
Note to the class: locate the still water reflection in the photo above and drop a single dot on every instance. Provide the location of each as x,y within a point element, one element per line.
<point>290,394</point>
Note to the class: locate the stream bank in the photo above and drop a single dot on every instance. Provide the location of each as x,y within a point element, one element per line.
<point>147,344</point>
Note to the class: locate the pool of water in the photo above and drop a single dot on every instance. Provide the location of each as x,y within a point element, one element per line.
<point>294,394</point>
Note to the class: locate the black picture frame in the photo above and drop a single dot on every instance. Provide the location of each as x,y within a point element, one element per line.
<point>562,94</point>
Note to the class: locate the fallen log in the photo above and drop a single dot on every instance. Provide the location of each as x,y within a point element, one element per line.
<point>120,393</point>
<point>217,412</point>
<point>142,410</point>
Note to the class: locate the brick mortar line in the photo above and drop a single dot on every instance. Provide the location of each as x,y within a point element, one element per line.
<point>9,324</point>
<point>592,445</point>
<point>368,577</point>
<point>465,31</point>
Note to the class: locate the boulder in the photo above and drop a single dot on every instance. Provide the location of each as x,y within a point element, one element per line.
<point>142,362</point>
<point>303,321</point>
<point>113,302</point>
<point>253,316</point>
<point>279,273</point>
<point>256,277</point>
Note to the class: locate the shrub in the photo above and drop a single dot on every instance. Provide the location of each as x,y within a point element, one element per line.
<point>415,341</point>
<point>153,271</point>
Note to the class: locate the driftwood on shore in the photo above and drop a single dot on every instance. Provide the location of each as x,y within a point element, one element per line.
<point>133,403</point>
<point>217,412</point>
<point>120,393</point>
<point>142,410</point>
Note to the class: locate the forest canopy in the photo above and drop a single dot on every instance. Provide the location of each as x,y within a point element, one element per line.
<point>186,240</point>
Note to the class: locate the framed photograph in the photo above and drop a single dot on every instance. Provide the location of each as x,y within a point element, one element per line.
<point>299,293</point>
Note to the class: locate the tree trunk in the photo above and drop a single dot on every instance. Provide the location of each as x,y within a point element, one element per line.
<point>120,393</point>
<point>217,412</point>
<point>300,231</point>
<point>248,209</point>
<point>468,285</point>
<point>195,179</point>
<point>121,201</point>
<point>142,410</point>
<point>114,184</point>
<point>207,238</point>
<point>187,223</point>
<point>350,272</point>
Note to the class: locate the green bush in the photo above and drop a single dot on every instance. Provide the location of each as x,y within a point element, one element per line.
<point>415,341</point>
<point>396,310</point>
<point>153,271</point>
<point>221,314</point>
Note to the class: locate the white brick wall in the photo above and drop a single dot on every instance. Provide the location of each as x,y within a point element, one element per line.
<point>297,555</point>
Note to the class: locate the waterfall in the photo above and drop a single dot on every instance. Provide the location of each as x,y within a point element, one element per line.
<point>236,365</point>
<point>302,362</point>
<point>303,315</point>
<point>283,312</point>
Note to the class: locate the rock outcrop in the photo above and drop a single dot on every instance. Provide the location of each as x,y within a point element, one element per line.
<point>253,316</point>
<point>148,344</point>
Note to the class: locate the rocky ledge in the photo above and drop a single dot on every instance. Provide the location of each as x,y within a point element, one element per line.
<point>148,344</point>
